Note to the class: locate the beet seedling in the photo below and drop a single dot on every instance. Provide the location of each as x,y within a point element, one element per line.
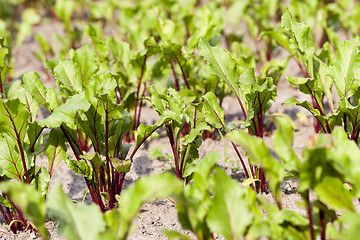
<point>91,109</point>
<point>252,94</point>
<point>169,102</point>
<point>22,141</point>
<point>343,73</point>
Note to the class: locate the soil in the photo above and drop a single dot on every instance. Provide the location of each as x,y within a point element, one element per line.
<point>161,214</point>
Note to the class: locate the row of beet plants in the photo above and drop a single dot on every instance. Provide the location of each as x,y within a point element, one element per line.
<point>97,109</point>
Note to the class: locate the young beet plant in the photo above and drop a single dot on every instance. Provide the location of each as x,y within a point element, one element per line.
<point>90,108</point>
<point>252,94</point>
<point>342,72</point>
<point>21,142</point>
<point>327,162</point>
<point>184,147</point>
<point>130,68</point>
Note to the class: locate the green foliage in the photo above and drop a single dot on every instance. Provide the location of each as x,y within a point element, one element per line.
<point>185,121</point>
<point>321,76</point>
<point>228,207</point>
<point>29,201</point>
<point>75,221</point>
<point>114,56</point>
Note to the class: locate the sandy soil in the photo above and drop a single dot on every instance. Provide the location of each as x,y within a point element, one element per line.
<point>162,213</point>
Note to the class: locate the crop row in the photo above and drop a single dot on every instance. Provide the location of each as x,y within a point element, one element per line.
<point>183,58</point>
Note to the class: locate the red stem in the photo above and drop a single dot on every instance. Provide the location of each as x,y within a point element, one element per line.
<point>138,92</point>
<point>241,160</point>
<point>13,228</point>
<point>177,86</point>
<point>121,182</point>
<point>95,194</point>
<point>322,225</point>
<point>1,85</point>
<point>183,73</point>
<point>21,217</point>
<point>115,182</point>
<point>139,111</point>
<point>309,213</point>
<point>173,144</point>
<point>107,150</point>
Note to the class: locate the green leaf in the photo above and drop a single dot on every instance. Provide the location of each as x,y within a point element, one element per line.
<point>33,84</point>
<point>98,38</point>
<point>112,222</point>
<point>316,163</point>
<point>221,63</point>
<point>44,45</point>
<point>101,84</point>
<point>194,133</point>
<point>214,115</point>
<point>51,98</point>
<point>66,112</point>
<point>173,234</point>
<point>249,181</point>
<point>91,123</point>
<point>29,201</point>
<point>176,103</point>
<point>315,112</point>
<point>352,112</point>
<point>86,58</point>
<point>301,40</point>
<point>283,143</point>
<point>330,191</point>
<point>228,207</point>
<point>259,154</point>
<point>94,160</point>
<point>287,223</point>
<point>346,227</point>
<point>10,159</point>
<point>144,131</point>
<point>80,167</point>
<point>157,101</point>
<point>248,77</point>
<point>29,17</point>
<point>55,149</point>
<point>34,137</point>
<point>207,163</point>
<point>280,37</point>
<point>306,84</point>
<point>64,9</point>
<point>139,61</point>
<point>41,182</point>
<point>3,53</point>
<point>69,75</point>
<point>187,95</point>
<point>193,204</point>
<point>146,189</point>
<point>120,50</point>
<point>14,118</point>
<point>346,70</point>
<point>259,96</point>
<point>26,99</point>
<point>121,166</point>
<point>346,158</point>
<point>102,10</point>
<point>76,221</point>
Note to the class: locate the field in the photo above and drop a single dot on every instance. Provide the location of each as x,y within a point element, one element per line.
<point>179,119</point>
